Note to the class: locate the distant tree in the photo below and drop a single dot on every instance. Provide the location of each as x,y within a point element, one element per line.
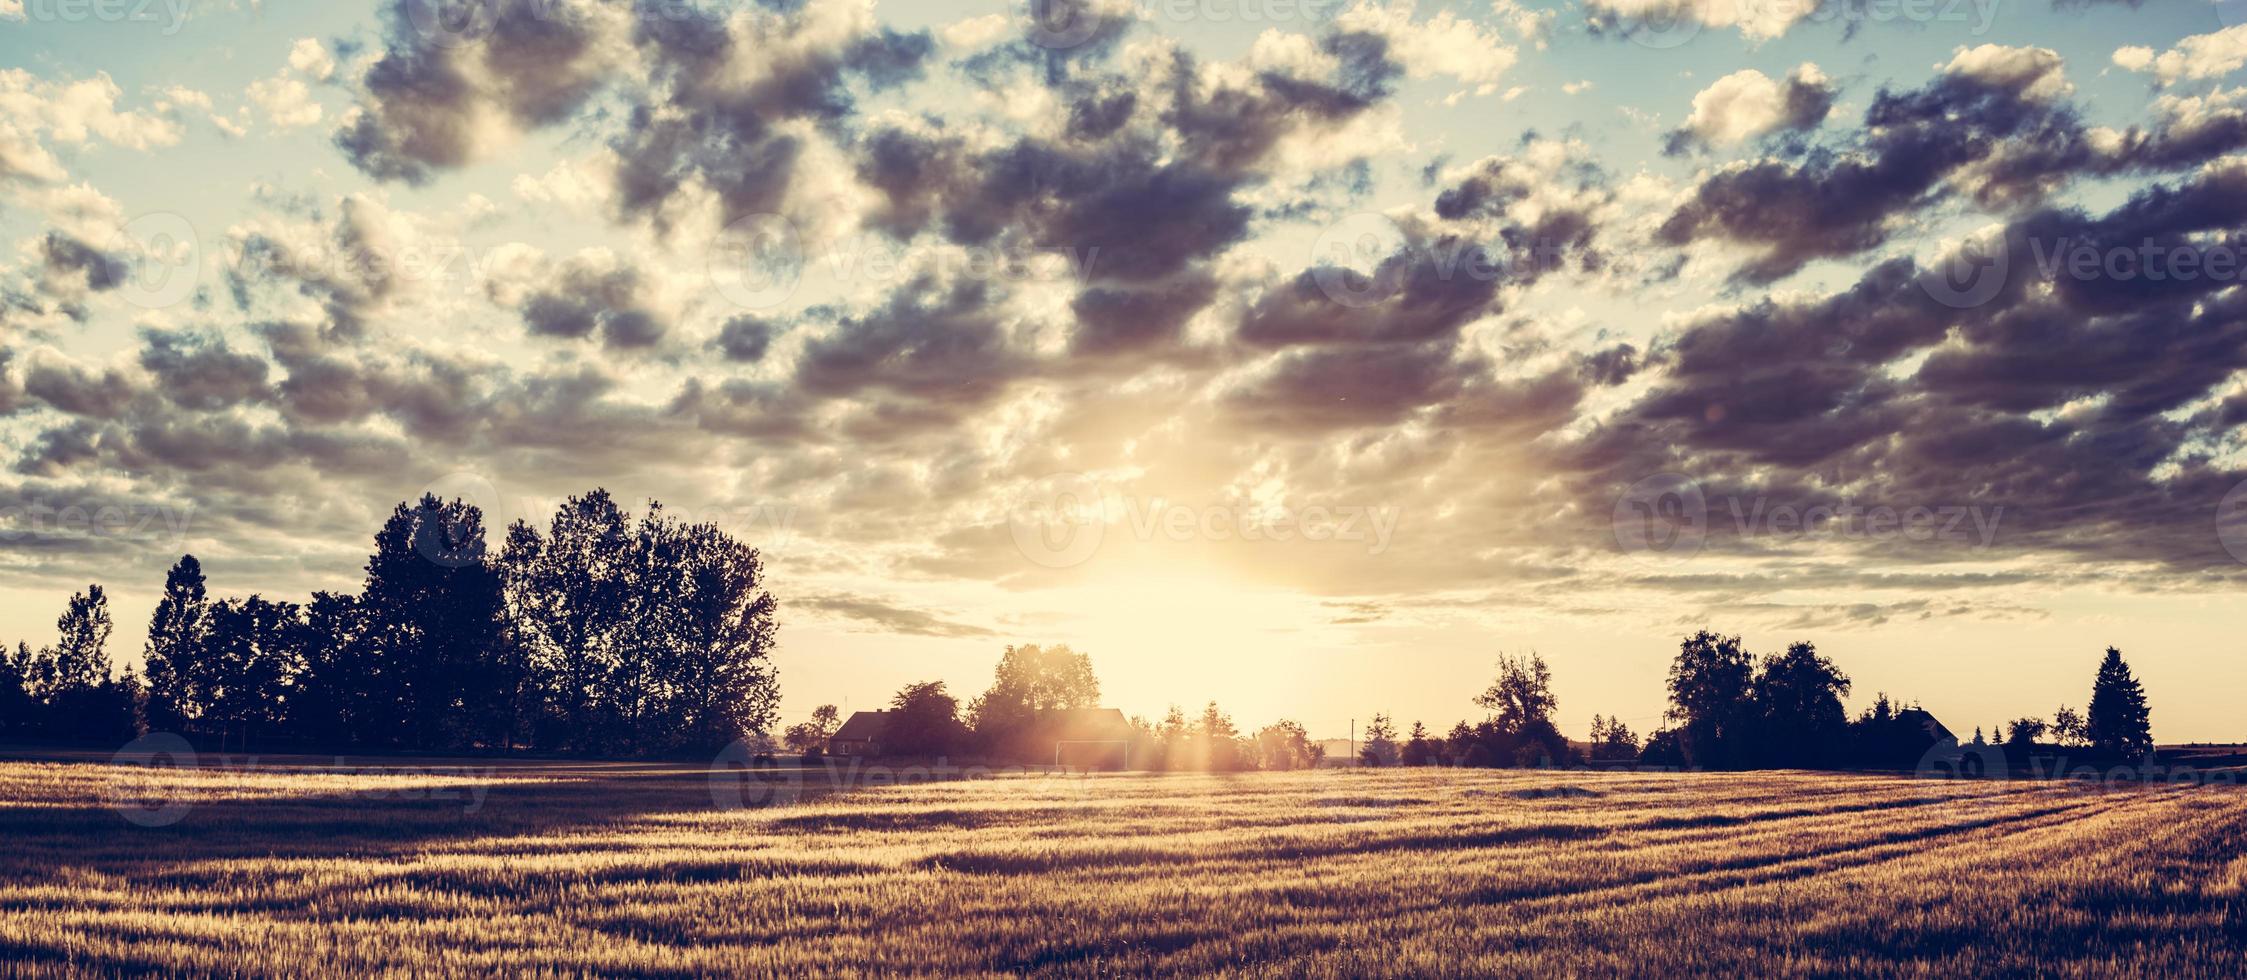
<point>2068,727</point>
<point>250,654</point>
<point>432,629</point>
<point>810,737</point>
<point>2118,722</point>
<point>1798,700</point>
<point>1418,749</point>
<point>1029,679</point>
<point>704,631</point>
<point>569,597</point>
<point>1613,741</point>
<point>177,685</point>
<point>924,720</point>
<point>1522,696</point>
<point>1978,739</point>
<point>2023,733</point>
<point>1711,699</point>
<point>339,699</point>
<point>1458,743</point>
<point>81,661</point>
<point>1219,748</point>
<point>1380,742</point>
<point>1664,748</point>
<point>1284,745</point>
<point>18,709</point>
<point>1173,738</point>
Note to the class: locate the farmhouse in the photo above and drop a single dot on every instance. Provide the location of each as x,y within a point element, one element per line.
<point>861,735</point>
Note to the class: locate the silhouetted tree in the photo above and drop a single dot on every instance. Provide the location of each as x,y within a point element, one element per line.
<point>2068,727</point>
<point>1030,679</point>
<point>1218,748</point>
<point>250,653</point>
<point>810,737</point>
<point>17,707</point>
<point>1521,702</point>
<point>1798,699</point>
<point>1285,745</point>
<point>924,720</point>
<point>1418,749</point>
<point>81,661</point>
<point>1380,742</point>
<point>569,601</point>
<point>2118,722</point>
<point>2023,733</point>
<point>431,630</point>
<point>1613,741</point>
<point>1711,686</point>
<point>176,684</point>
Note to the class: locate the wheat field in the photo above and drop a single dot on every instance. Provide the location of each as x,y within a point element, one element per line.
<point>625,869</point>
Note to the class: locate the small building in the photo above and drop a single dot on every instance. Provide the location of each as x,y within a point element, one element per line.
<point>1082,738</point>
<point>861,735</point>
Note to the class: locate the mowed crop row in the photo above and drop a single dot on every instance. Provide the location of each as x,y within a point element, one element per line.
<point>1337,873</point>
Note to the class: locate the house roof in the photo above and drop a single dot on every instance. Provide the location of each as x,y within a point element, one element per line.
<point>863,726</point>
<point>1093,724</point>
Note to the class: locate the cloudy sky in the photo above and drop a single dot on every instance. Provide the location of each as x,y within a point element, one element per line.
<point>1299,355</point>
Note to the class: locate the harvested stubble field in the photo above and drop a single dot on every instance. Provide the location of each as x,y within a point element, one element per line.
<point>617,869</point>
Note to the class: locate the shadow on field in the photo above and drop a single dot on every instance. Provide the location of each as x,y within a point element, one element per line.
<point>150,821</point>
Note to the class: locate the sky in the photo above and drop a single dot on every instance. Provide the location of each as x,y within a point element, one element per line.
<point>1300,355</point>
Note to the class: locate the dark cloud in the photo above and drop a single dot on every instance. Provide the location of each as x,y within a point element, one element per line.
<point>200,372</point>
<point>1995,125</point>
<point>745,338</point>
<point>885,615</point>
<point>451,80</point>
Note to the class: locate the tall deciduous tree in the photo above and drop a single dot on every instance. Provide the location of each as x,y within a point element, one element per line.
<point>1029,679</point>
<point>1798,698</point>
<point>177,687</point>
<point>1711,684</point>
<point>81,661</point>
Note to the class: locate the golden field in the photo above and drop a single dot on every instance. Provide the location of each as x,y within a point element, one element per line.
<point>634,869</point>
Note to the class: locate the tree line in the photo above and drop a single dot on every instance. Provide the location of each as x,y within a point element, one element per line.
<point>603,634</point>
<point>1728,709</point>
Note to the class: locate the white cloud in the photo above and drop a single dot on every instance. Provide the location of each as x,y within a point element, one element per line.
<point>2201,56</point>
<point>974,32</point>
<point>312,58</point>
<point>1744,105</point>
<point>2036,73</point>
<point>1445,45</point>
<point>287,101</point>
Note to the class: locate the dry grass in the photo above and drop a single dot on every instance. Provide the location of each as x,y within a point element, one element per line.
<point>630,869</point>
